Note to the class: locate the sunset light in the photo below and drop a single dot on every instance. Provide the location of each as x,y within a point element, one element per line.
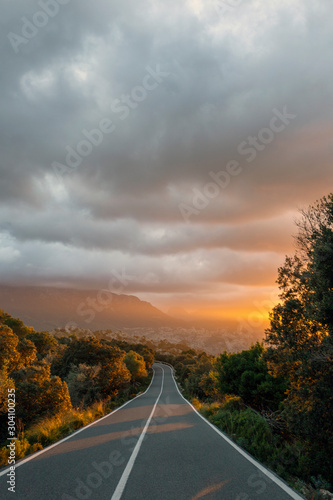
<point>166,249</point>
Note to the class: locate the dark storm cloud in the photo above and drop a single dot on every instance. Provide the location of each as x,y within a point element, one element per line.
<point>186,91</point>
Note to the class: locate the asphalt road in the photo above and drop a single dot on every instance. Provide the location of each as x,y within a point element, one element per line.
<point>156,447</point>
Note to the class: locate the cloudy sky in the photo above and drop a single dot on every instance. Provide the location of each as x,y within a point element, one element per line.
<point>162,148</point>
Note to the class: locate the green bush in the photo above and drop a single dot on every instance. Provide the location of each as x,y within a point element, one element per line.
<point>252,432</point>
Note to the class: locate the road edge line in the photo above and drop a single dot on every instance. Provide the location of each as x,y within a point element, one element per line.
<point>270,474</point>
<point>36,454</point>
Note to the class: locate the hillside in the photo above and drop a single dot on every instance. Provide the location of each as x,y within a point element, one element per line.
<point>47,308</point>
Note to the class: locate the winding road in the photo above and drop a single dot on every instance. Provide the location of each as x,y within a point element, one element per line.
<point>155,447</point>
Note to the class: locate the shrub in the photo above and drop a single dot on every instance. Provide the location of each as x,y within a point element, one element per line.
<point>251,431</point>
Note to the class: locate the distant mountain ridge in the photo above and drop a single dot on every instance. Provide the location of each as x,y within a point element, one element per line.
<point>46,308</point>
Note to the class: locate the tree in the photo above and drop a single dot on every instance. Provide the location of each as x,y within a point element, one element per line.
<point>27,351</point>
<point>14,352</point>
<point>246,374</point>
<point>300,336</point>
<point>16,325</point>
<point>112,375</point>
<point>183,365</point>
<point>9,355</point>
<point>136,366</point>
<point>44,342</point>
<point>201,381</point>
<point>147,354</point>
<point>83,384</point>
<point>87,350</point>
<point>39,394</point>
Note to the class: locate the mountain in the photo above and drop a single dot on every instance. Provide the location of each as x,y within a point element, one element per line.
<point>46,308</point>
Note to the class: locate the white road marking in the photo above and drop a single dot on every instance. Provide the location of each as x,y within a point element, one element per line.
<point>34,455</point>
<point>124,478</point>
<point>263,469</point>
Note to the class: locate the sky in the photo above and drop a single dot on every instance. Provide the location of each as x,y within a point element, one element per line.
<point>162,148</point>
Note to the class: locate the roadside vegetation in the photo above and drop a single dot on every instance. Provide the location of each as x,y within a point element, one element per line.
<point>62,384</point>
<point>276,398</point>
